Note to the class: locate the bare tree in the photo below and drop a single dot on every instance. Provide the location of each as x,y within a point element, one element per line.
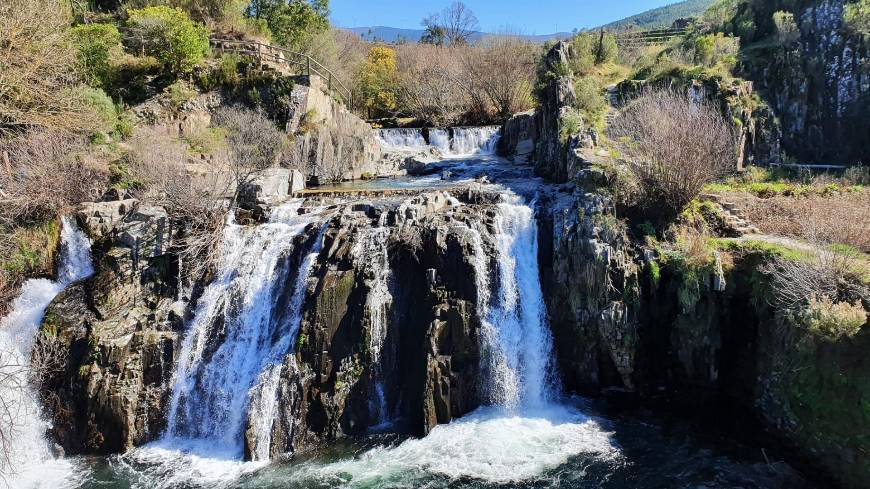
<point>674,145</point>
<point>502,69</point>
<point>197,196</point>
<point>255,142</point>
<point>431,85</point>
<point>454,26</point>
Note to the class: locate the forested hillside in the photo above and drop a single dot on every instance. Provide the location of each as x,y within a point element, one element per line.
<point>662,16</point>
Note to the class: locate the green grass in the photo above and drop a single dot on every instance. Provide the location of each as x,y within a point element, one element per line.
<point>760,247</point>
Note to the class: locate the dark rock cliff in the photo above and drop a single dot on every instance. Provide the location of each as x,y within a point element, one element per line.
<point>420,346</point>
<point>626,321</point>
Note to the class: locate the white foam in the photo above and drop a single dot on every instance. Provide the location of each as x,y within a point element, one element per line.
<point>491,445</point>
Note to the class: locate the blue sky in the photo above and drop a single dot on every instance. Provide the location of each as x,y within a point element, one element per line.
<point>524,16</point>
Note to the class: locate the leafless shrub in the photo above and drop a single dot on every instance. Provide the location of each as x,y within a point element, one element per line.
<point>192,195</point>
<point>45,173</point>
<point>21,386</point>
<point>675,145</point>
<point>255,142</point>
<point>38,61</point>
<point>502,69</point>
<point>431,83</point>
<point>825,274</point>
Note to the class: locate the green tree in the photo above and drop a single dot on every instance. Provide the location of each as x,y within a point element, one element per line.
<point>857,16</point>
<point>96,44</point>
<point>377,79</point>
<point>293,23</point>
<point>169,35</point>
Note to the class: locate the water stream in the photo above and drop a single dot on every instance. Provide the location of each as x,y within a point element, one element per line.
<point>31,459</point>
<point>240,342</point>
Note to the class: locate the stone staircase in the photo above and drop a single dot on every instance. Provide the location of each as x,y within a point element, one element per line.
<point>613,99</point>
<point>733,216</point>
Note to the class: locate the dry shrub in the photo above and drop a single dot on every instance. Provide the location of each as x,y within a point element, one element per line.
<point>833,320</point>
<point>840,218</point>
<point>674,145</point>
<point>191,196</point>
<point>431,81</point>
<point>255,142</point>
<point>44,173</point>
<point>502,69</point>
<point>38,74</point>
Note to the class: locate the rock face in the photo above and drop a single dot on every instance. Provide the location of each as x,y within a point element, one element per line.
<point>558,99</point>
<point>121,328</point>
<point>625,320</point>
<point>819,87</point>
<point>333,142</point>
<point>414,354</point>
<point>389,325</point>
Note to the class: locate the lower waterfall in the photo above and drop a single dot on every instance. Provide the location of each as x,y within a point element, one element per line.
<point>523,430</point>
<point>21,419</point>
<point>245,324</point>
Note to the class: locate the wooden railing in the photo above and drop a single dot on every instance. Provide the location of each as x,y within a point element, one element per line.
<point>645,38</point>
<point>302,63</point>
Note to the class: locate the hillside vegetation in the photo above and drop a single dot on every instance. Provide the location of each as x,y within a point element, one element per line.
<point>662,17</point>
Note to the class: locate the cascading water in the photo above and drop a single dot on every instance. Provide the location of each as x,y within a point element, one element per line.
<point>241,311</point>
<point>465,141</point>
<point>402,138</point>
<point>475,140</point>
<point>516,339</point>
<point>30,459</point>
<point>372,250</point>
<point>523,432</point>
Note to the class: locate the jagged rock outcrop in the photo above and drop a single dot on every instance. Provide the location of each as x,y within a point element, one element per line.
<point>626,319</point>
<point>416,345</point>
<point>121,328</point>
<point>417,350</point>
<point>331,140</point>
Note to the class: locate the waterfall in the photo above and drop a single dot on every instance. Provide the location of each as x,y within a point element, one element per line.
<point>440,139</point>
<point>516,341</point>
<point>243,326</point>
<point>465,141</point>
<point>475,140</point>
<point>523,432</point>
<point>30,459</point>
<point>372,251</point>
<point>402,139</point>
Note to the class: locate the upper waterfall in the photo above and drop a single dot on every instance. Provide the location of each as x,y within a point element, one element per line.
<point>453,142</point>
<point>22,419</point>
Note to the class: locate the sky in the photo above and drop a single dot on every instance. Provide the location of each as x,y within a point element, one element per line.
<point>522,16</point>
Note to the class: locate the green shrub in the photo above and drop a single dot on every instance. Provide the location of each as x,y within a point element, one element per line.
<point>833,320</point>
<point>570,123</point>
<point>208,140</point>
<point>179,93</point>
<point>96,44</point>
<point>857,16</point>
<point>786,27</point>
<point>169,35</point>
<point>590,101</point>
<point>103,106</point>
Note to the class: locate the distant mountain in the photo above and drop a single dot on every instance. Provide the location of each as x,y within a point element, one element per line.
<point>395,34</point>
<point>651,19</point>
<point>663,16</point>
